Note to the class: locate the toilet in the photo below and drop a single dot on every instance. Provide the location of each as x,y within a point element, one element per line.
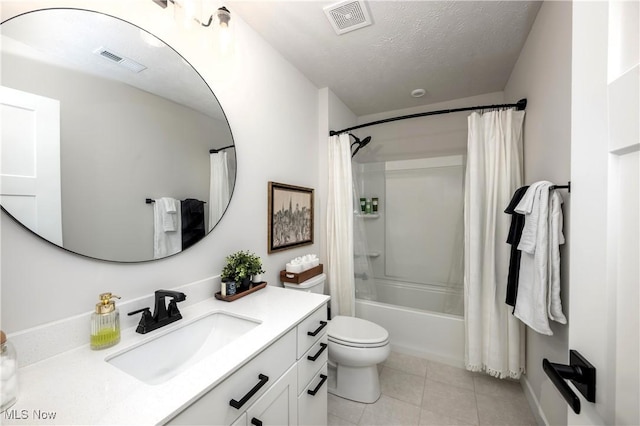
<point>356,347</point>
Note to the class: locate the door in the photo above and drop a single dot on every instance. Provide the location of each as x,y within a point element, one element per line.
<point>30,161</point>
<point>605,168</point>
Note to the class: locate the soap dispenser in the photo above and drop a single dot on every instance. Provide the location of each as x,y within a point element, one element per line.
<point>9,370</point>
<point>105,323</point>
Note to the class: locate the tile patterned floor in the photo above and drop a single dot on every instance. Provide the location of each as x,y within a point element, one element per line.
<point>419,392</point>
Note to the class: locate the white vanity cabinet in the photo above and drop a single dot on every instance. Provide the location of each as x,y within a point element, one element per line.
<point>273,387</point>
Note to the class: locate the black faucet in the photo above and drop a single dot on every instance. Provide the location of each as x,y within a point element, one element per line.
<point>162,315</point>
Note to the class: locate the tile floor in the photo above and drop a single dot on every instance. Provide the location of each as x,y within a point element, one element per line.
<point>416,391</point>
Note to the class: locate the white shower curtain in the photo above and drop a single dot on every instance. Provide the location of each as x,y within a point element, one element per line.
<point>340,268</point>
<point>218,188</point>
<point>494,338</point>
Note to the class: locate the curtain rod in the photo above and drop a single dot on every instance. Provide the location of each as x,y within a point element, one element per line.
<point>520,105</point>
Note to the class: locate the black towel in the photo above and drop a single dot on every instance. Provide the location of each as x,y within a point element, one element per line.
<point>515,232</point>
<point>192,221</point>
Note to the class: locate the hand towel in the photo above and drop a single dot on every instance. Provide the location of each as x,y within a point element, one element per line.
<point>165,243</point>
<point>532,303</point>
<point>515,231</point>
<point>193,229</point>
<point>169,209</point>
<point>556,238</point>
<point>530,207</point>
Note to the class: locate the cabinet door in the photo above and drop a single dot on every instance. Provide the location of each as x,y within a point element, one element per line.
<point>242,420</point>
<point>278,406</point>
<point>312,402</point>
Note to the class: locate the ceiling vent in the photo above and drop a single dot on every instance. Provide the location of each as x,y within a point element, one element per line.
<point>348,16</point>
<point>120,60</point>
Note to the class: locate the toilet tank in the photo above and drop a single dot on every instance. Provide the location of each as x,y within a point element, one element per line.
<point>312,285</point>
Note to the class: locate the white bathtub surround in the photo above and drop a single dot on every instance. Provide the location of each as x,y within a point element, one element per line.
<point>340,269</point>
<point>81,388</point>
<point>417,242</point>
<point>494,338</point>
<point>363,253</point>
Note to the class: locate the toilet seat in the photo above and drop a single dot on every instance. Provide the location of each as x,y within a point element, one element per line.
<point>356,332</point>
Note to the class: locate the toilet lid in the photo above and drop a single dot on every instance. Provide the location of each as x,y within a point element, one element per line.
<point>351,330</point>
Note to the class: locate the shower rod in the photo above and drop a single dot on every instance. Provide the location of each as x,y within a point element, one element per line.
<point>214,151</point>
<point>520,105</point>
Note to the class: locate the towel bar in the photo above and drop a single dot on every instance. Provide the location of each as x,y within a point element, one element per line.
<point>567,186</point>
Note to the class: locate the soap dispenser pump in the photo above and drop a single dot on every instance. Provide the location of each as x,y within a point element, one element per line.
<point>105,323</point>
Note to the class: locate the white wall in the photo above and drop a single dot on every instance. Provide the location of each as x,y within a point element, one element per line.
<point>273,113</point>
<point>543,75</point>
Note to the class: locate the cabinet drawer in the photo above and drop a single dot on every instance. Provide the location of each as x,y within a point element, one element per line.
<point>312,409</point>
<point>311,328</point>
<point>214,408</point>
<point>312,361</point>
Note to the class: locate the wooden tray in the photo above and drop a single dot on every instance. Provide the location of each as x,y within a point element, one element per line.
<point>291,277</point>
<point>236,296</point>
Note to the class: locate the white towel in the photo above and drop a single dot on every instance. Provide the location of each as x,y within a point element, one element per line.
<point>556,238</point>
<point>166,243</point>
<point>169,209</point>
<point>532,303</point>
<point>530,206</point>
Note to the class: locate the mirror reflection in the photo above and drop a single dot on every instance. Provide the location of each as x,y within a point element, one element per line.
<point>113,146</point>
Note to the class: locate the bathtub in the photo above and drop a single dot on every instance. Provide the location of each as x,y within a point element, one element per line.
<point>420,332</point>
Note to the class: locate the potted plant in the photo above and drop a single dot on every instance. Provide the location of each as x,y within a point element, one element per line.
<point>240,267</point>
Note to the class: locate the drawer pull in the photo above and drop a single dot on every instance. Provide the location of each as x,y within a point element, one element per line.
<point>323,378</point>
<point>313,358</point>
<point>323,324</point>
<point>256,422</point>
<point>237,404</point>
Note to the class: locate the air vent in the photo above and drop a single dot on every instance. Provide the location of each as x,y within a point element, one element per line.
<point>120,60</point>
<point>348,16</point>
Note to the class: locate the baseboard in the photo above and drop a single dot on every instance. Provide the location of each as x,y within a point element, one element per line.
<point>534,404</point>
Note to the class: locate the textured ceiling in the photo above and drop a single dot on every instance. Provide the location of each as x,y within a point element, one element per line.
<point>452,49</point>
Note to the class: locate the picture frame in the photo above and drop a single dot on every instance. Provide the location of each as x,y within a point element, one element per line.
<point>290,216</point>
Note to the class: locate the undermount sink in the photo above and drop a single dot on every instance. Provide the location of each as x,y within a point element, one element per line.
<point>157,360</point>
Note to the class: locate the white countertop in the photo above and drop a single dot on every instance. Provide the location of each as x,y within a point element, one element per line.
<point>80,387</point>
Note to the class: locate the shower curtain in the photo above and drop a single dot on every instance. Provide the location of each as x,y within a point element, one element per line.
<point>340,267</point>
<point>494,338</point>
<point>218,188</point>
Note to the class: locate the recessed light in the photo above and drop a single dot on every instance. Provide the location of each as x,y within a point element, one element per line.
<point>418,93</point>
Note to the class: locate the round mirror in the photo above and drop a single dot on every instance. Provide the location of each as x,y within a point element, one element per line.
<point>113,146</point>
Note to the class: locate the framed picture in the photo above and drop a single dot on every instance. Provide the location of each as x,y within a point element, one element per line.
<point>290,216</point>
